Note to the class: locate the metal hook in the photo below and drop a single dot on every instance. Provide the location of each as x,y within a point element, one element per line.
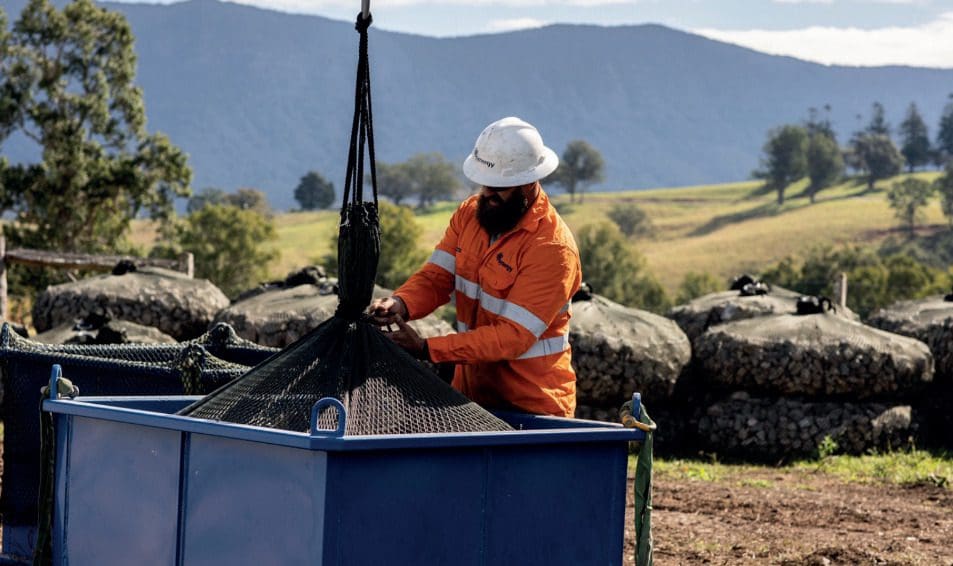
<point>365,8</point>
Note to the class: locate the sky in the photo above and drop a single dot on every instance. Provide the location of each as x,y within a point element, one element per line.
<point>839,32</point>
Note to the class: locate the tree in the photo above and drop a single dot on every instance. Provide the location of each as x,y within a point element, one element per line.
<point>207,196</point>
<point>230,245</point>
<point>786,273</point>
<point>581,165</point>
<point>249,199</point>
<point>433,178</point>
<point>245,199</point>
<point>915,141</point>
<point>825,164</point>
<point>907,279</point>
<point>944,186</point>
<point>876,156</point>
<point>631,220</point>
<point>314,192</point>
<point>616,271</point>
<point>428,176</point>
<point>400,255</point>
<point>878,123</point>
<point>394,182</point>
<point>695,285</point>
<point>874,281</point>
<point>944,136</point>
<point>785,158</point>
<point>907,198</point>
<point>817,125</point>
<point>66,82</point>
<point>815,273</point>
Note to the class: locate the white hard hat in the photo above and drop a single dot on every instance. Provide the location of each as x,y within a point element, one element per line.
<point>508,153</point>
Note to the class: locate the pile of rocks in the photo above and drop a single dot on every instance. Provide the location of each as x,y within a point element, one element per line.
<point>699,314</point>
<point>783,428</point>
<point>177,305</point>
<point>279,316</point>
<point>109,332</point>
<point>709,310</point>
<point>929,320</point>
<point>815,355</point>
<point>617,350</point>
<point>796,371</point>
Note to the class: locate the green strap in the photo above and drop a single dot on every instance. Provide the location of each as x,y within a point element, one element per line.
<point>643,496</point>
<point>43,551</point>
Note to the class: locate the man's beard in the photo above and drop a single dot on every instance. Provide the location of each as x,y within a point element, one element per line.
<point>503,217</point>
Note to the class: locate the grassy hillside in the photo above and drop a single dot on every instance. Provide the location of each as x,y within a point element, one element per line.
<point>723,229</point>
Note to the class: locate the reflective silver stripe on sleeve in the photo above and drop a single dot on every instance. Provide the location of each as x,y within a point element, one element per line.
<point>461,326</point>
<point>565,307</point>
<point>546,347</point>
<point>444,260</point>
<point>514,312</point>
<point>468,288</point>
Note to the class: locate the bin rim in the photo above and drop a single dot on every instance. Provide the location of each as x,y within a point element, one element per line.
<point>535,429</point>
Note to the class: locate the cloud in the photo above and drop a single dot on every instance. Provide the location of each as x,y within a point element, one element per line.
<point>317,6</point>
<point>927,45</point>
<point>515,24</point>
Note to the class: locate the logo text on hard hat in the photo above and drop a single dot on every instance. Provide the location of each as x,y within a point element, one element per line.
<point>476,157</point>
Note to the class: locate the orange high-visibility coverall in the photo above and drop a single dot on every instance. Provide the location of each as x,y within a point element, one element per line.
<point>513,308</point>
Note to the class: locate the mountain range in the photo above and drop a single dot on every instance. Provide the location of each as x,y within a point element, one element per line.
<point>258,98</point>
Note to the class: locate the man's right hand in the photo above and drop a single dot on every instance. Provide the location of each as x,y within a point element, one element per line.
<point>385,311</point>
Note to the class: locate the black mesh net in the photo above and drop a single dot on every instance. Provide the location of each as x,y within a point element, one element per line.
<point>122,369</point>
<point>382,388</point>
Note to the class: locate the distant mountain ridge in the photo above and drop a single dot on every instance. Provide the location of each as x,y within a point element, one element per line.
<point>257,98</point>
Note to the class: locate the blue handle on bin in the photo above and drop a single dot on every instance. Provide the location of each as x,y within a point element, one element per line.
<point>636,405</point>
<point>316,410</point>
<point>55,374</point>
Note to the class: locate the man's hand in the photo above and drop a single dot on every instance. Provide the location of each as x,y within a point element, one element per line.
<point>407,338</point>
<point>385,311</point>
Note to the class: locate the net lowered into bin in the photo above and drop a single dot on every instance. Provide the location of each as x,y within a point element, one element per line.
<point>383,389</point>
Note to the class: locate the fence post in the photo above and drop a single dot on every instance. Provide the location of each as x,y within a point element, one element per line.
<point>840,290</point>
<point>3,278</point>
<point>187,264</point>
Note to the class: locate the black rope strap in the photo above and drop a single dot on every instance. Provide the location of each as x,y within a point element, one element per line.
<point>359,233</point>
<point>362,126</point>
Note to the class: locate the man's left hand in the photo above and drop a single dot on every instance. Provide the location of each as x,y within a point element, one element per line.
<point>407,338</point>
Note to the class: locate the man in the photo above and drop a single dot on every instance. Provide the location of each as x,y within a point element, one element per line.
<point>511,265</point>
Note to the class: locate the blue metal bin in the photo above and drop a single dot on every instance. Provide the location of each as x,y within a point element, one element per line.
<point>137,484</point>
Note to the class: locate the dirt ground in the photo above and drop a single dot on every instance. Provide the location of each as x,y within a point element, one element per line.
<point>795,517</point>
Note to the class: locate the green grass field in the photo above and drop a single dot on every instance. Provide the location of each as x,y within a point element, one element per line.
<point>899,467</point>
<point>722,229</point>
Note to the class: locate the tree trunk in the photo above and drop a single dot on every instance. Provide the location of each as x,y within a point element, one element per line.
<point>780,196</point>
